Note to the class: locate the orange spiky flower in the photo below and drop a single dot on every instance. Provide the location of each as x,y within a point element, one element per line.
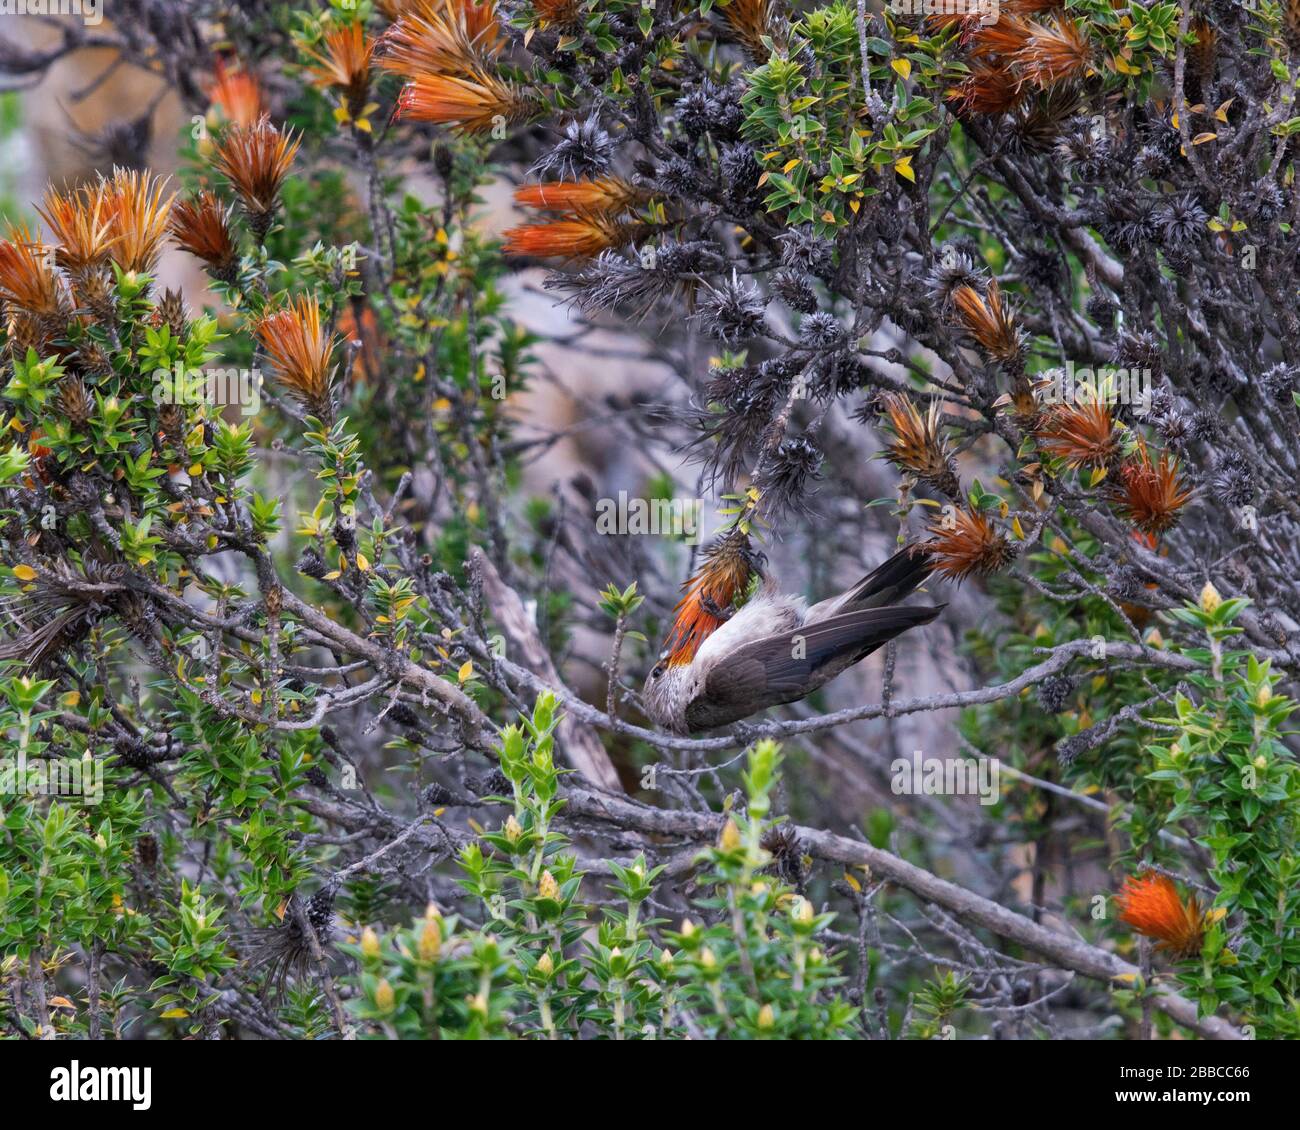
<point>81,226</point>
<point>137,210</point>
<point>1004,38</point>
<point>237,94</point>
<point>987,90</point>
<point>255,160</point>
<point>965,543</point>
<point>728,569</point>
<point>557,13</point>
<point>1054,53</point>
<point>1148,494</point>
<point>343,64</point>
<point>28,281</point>
<point>918,445</point>
<point>990,323</point>
<point>1083,434</point>
<point>1150,904</point>
<point>300,352</point>
<point>751,21</point>
<point>201,225</point>
<point>440,37</point>
<point>604,196</point>
<point>467,105</point>
<point>582,237</point>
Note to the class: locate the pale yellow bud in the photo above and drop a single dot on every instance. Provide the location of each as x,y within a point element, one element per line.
<point>707,958</point>
<point>730,838</point>
<point>801,910</point>
<point>369,943</point>
<point>513,829</point>
<point>688,928</point>
<point>547,887</point>
<point>1263,695</point>
<point>766,1017</point>
<point>666,958</point>
<point>1261,762</point>
<point>1210,598</point>
<point>430,940</point>
<point>546,964</point>
<point>385,998</point>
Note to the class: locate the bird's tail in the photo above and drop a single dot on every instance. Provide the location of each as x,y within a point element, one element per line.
<point>888,583</point>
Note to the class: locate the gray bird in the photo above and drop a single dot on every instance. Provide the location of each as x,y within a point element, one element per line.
<point>772,649</point>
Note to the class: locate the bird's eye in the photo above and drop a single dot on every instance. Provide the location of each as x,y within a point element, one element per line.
<point>658,670</point>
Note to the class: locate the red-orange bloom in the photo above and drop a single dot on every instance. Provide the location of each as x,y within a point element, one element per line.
<point>987,90</point>
<point>201,225</point>
<point>604,195</point>
<point>1149,494</point>
<point>579,238</point>
<point>26,278</point>
<point>343,64</point>
<point>81,226</point>
<point>238,95</point>
<point>1053,54</point>
<point>467,105</point>
<point>138,212</point>
<point>440,37</point>
<point>1083,434</point>
<point>965,543</point>
<point>299,351</point>
<point>255,160</point>
<point>1003,38</point>
<point>1150,904</point>
<point>989,322</point>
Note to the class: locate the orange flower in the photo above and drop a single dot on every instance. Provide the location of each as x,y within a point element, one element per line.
<point>1150,904</point>
<point>134,204</point>
<point>299,352</point>
<point>1149,494</point>
<point>987,90</point>
<point>363,332</point>
<point>440,37</point>
<point>579,238</point>
<point>989,322</point>
<point>724,576</point>
<point>467,105</point>
<point>918,445</point>
<point>750,22</point>
<point>255,160</point>
<point>344,65</point>
<point>81,226</point>
<point>201,225</point>
<point>1003,38</point>
<point>557,13</point>
<point>26,278</point>
<point>965,543</point>
<point>605,195</point>
<point>1084,434</point>
<point>1052,54</point>
<point>238,95</point>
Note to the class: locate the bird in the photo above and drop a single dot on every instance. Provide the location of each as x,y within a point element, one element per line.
<point>739,645</point>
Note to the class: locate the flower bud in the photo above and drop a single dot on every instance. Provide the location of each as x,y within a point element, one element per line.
<point>1261,762</point>
<point>1263,695</point>
<point>430,940</point>
<point>766,1017</point>
<point>801,910</point>
<point>1210,599</point>
<point>513,829</point>
<point>546,965</point>
<point>369,943</point>
<point>730,838</point>
<point>385,998</point>
<point>547,887</point>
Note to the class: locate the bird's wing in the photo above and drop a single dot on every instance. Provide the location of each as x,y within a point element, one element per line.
<point>886,584</point>
<point>787,666</point>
